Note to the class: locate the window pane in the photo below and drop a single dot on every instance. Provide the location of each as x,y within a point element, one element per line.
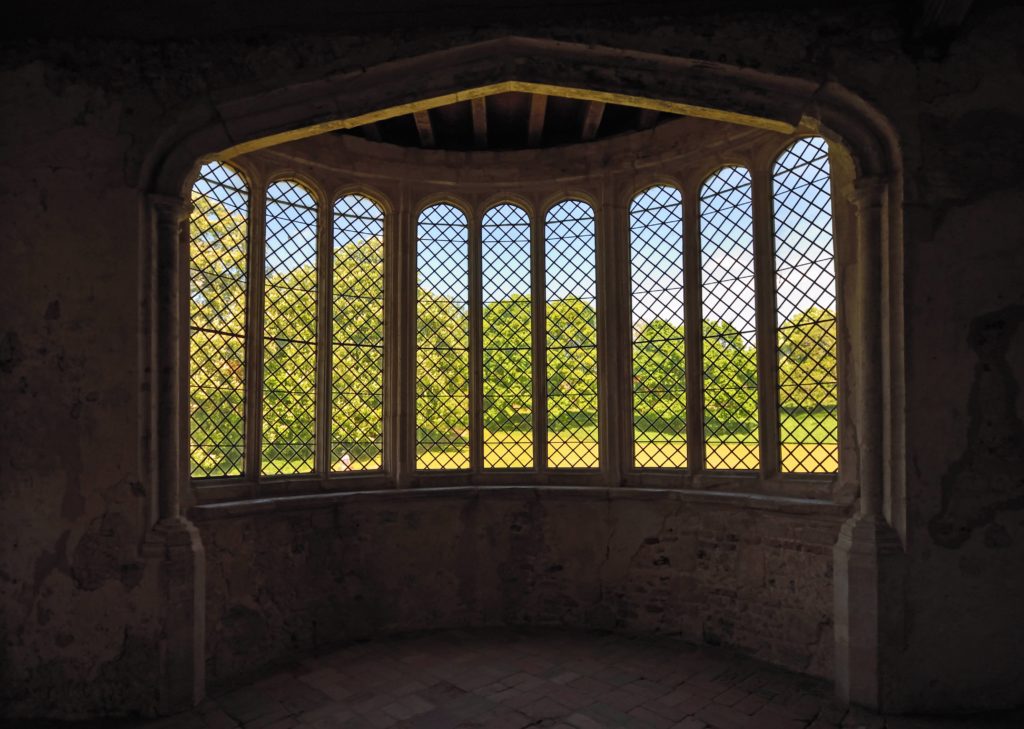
<point>218,275</point>
<point>659,372</point>
<point>805,285</point>
<point>507,339</point>
<point>728,327</point>
<point>571,312</point>
<point>357,336</point>
<point>442,339</point>
<point>289,331</point>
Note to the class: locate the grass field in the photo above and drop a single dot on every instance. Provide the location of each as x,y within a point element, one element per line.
<point>809,448</point>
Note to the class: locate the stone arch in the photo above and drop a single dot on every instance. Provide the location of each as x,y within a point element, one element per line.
<point>867,142</point>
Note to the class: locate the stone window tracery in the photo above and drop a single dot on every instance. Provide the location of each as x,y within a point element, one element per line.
<point>505,371</point>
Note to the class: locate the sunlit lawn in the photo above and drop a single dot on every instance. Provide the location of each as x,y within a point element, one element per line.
<point>809,448</point>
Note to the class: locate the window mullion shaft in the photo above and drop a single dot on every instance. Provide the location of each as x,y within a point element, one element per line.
<point>612,311</point>
<point>764,266</point>
<point>693,319</point>
<point>324,351</point>
<point>254,335</point>
<point>395,253</point>
<point>404,336</point>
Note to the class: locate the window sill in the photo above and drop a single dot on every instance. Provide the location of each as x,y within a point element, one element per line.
<point>820,506</point>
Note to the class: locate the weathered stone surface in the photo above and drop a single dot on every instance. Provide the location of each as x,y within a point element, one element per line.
<point>80,122</point>
<point>280,587</point>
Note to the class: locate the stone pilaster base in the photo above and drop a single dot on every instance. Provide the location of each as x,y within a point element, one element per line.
<point>868,609</point>
<point>176,546</point>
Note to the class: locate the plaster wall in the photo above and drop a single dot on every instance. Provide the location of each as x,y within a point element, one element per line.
<point>81,623</point>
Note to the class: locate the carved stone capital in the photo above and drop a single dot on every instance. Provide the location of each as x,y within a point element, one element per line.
<point>868,192</point>
<point>170,210</point>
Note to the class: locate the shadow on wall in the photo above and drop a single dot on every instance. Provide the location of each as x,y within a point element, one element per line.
<point>989,477</point>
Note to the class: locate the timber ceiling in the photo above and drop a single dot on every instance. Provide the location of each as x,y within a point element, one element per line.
<point>512,120</point>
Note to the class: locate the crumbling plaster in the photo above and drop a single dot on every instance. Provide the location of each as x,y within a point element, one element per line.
<point>81,613</point>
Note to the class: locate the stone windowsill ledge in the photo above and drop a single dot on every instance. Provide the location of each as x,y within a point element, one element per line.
<point>721,498</point>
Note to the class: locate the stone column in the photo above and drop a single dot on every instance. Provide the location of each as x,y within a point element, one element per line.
<point>173,545</point>
<point>867,604</point>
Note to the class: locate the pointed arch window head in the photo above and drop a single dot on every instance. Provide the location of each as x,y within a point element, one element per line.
<point>357,336</point>
<point>658,375</point>
<point>442,339</point>
<point>507,338</point>
<point>289,331</point>
<point>729,322</point>
<point>805,284</point>
<point>218,297</point>
<point>570,257</point>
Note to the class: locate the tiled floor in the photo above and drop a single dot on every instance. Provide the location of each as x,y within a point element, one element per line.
<point>514,680</point>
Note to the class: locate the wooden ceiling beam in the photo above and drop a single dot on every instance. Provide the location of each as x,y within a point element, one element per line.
<point>424,127</point>
<point>538,109</point>
<point>480,121</point>
<point>592,120</point>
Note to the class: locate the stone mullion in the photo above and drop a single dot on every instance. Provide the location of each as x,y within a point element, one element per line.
<point>404,299</point>
<point>767,340</point>
<point>254,335</point>
<point>394,322</point>
<point>692,308</point>
<point>612,316</point>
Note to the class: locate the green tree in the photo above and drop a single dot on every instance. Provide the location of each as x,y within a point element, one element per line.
<point>442,369</point>
<point>807,360</point>
<point>217,306</point>
<point>572,363</point>
<point>730,381</point>
<point>289,368</point>
<point>357,365</point>
<point>659,378</point>
<point>507,364</point>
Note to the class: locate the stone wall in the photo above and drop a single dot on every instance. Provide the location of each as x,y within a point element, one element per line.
<point>732,570</point>
<point>81,626</point>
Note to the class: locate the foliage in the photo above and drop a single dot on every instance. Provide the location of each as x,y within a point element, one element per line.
<point>807,362</point>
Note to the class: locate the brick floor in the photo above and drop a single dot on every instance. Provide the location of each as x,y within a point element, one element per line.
<point>560,680</point>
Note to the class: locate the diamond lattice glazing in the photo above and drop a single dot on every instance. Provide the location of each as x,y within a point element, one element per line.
<point>571,313</point>
<point>289,331</point>
<point>729,326</point>
<point>507,338</point>
<point>357,336</point>
<point>218,275</point>
<point>659,372</point>
<point>806,309</point>
<point>442,339</point>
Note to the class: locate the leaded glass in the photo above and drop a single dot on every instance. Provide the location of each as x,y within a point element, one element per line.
<point>658,356</point>
<point>571,315</point>
<point>442,339</point>
<point>728,333</point>
<point>289,331</point>
<point>357,336</point>
<point>507,338</point>
<point>805,286</point>
<point>218,277</point>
